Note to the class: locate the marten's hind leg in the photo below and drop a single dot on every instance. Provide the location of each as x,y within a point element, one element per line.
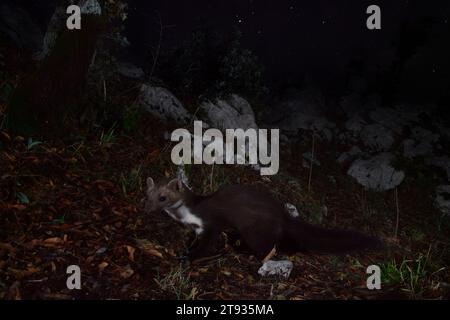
<point>261,243</point>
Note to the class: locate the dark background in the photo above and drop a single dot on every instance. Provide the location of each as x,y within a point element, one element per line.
<point>320,42</point>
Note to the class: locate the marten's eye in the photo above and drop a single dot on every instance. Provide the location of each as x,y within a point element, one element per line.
<point>162,198</point>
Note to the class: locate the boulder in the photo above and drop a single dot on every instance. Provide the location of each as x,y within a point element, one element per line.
<point>302,110</point>
<point>292,210</point>
<point>91,7</point>
<point>376,173</point>
<point>162,103</point>
<point>281,268</point>
<point>231,113</point>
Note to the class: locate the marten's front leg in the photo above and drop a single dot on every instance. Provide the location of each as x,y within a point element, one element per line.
<point>205,244</point>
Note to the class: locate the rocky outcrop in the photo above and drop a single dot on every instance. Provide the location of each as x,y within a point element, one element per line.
<point>162,103</point>
<point>281,268</point>
<point>376,173</point>
<point>230,113</point>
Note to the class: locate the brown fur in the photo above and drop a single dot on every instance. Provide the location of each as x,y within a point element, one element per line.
<point>260,219</point>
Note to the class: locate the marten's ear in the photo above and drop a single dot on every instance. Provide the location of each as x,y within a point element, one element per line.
<point>175,185</point>
<point>150,183</point>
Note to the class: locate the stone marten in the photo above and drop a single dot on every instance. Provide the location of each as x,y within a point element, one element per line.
<point>261,221</point>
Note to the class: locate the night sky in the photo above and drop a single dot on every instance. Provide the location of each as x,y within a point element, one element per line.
<point>294,39</point>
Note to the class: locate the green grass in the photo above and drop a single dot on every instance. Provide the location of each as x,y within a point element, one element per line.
<point>411,275</point>
<point>108,138</point>
<point>131,182</point>
<point>177,282</point>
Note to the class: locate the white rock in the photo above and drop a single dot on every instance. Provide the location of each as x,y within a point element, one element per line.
<point>91,7</point>
<point>162,103</point>
<point>276,268</point>
<point>376,173</point>
<point>231,113</point>
<point>292,210</point>
<point>442,200</point>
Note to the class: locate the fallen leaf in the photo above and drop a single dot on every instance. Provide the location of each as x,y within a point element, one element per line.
<point>57,296</point>
<point>55,241</point>
<point>126,273</point>
<point>19,207</point>
<point>131,251</point>
<point>102,266</point>
<point>155,253</point>
<point>148,248</point>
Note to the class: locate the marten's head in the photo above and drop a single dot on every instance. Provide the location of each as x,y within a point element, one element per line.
<point>162,195</point>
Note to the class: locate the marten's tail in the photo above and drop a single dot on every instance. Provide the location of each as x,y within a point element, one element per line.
<point>306,237</point>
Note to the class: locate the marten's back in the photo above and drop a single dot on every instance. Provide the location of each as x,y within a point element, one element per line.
<point>244,206</point>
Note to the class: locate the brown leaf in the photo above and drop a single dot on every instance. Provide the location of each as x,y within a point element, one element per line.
<point>102,266</point>
<point>19,207</point>
<point>4,135</point>
<point>131,251</point>
<point>126,273</point>
<point>55,241</point>
<point>148,248</point>
<point>57,296</point>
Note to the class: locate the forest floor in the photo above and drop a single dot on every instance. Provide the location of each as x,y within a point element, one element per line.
<point>77,203</point>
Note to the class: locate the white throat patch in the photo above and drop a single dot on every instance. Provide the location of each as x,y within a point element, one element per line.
<point>181,213</point>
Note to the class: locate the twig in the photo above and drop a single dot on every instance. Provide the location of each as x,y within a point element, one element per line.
<point>158,48</point>
<point>398,212</point>
<point>211,178</point>
<point>311,164</point>
<point>104,90</point>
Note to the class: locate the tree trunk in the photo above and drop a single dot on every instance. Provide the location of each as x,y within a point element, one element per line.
<point>43,102</point>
